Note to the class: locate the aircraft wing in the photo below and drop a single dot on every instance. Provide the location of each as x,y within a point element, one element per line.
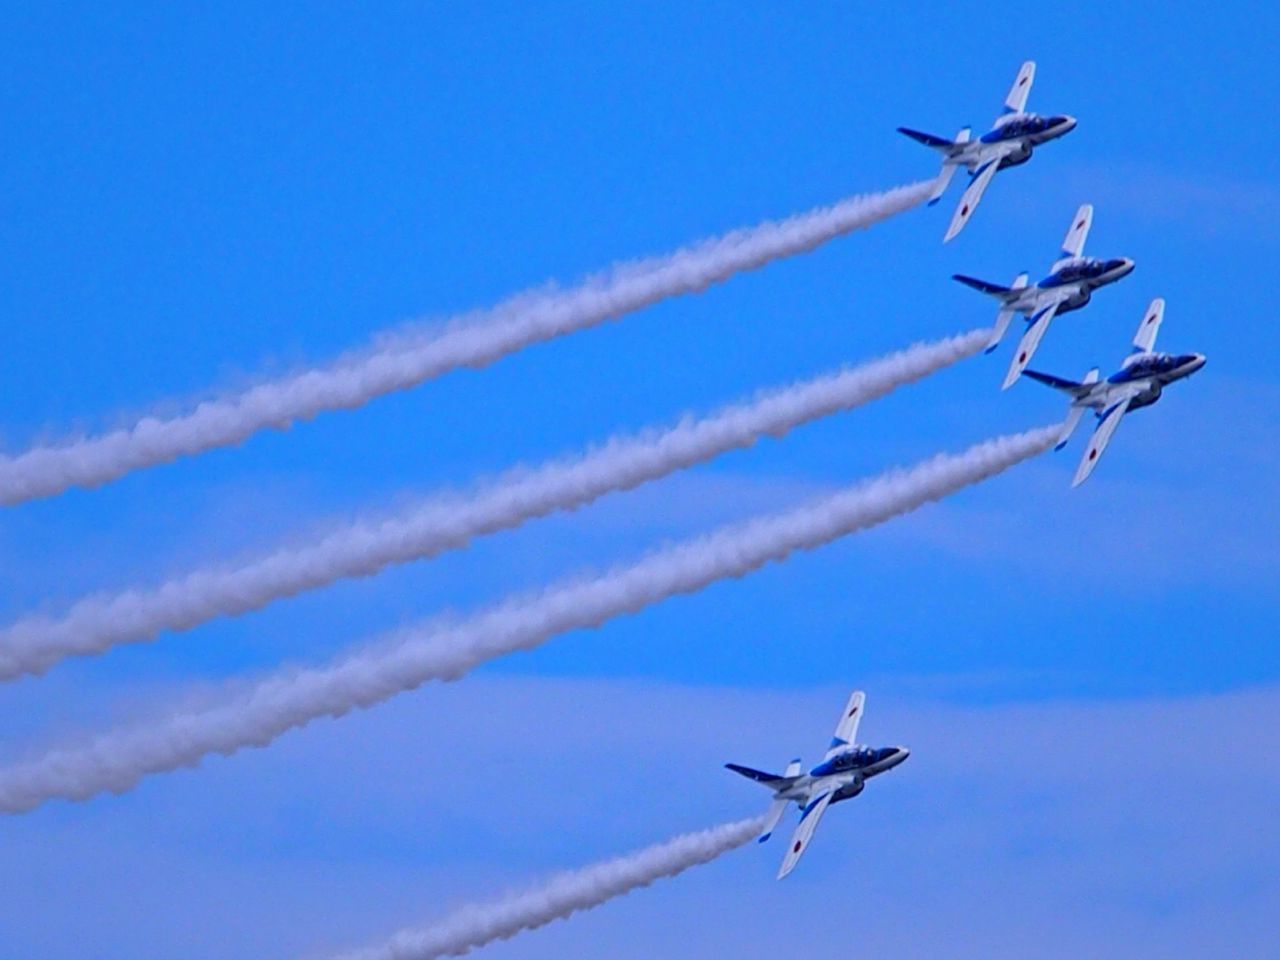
<point>1016,101</point>
<point>847,728</point>
<point>804,831</point>
<point>1073,245</point>
<point>1031,339</point>
<point>1111,418</point>
<point>1145,339</point>
<point>972,194</point>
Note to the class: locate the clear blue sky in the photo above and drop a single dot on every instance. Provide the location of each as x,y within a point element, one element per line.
<point>197,196</point>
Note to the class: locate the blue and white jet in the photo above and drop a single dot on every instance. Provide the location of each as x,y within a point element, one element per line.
<point>841,775</point>
<point>1010,142</point>
<point>1139,383</point>
<point>1069,286</point>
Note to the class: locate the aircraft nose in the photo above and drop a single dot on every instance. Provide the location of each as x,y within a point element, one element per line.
<point>903,753</point>
<point>1126,266</point>
<point>1197,361</point>
<point>1067,123</point>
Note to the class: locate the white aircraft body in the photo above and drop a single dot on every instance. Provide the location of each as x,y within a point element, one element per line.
<point>1139,383</point>
<point>842,774</point>
<point>1010,142</point>
<point>1069,286</point>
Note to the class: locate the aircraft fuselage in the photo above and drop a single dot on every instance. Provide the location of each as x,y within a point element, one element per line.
<point>848,772</point>
<point>1018,134</point>
<point>1152,372</point>
<point>1078,277</point>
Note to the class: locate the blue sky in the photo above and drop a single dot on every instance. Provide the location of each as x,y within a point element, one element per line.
<point>198,197</point>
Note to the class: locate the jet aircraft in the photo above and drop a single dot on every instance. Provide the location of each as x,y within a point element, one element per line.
<point>842,774</point>
<point>1069,286</point>
<point>1139,383</point>
<point>1010,142</point>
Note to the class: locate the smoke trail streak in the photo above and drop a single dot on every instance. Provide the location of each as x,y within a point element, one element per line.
<point>406,360</point>
<point>561,896</point>
<point>117,760</point>
<point>97,623</point>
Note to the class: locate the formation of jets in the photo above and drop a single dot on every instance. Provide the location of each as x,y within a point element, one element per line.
<point>1071,280</point>
<point>1070,284</point>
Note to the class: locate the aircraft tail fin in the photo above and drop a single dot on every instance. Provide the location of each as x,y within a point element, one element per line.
<point>1076,390</point>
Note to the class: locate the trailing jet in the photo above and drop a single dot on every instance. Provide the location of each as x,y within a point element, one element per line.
<point>1069,286</point>
<point>1140,382</point>
<point>841,775</point>
<point>1010,142</point>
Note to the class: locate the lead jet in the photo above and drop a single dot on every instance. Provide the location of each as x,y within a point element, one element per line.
<point>1069,286</point>
<point>1010,141</point>
<point>1139,383</point>
<point>841,775</point>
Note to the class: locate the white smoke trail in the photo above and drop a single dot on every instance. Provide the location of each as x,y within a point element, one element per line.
<point>116,761</point>
<point>97,623</point>
<point>406,360</point>
<point>561,896</point>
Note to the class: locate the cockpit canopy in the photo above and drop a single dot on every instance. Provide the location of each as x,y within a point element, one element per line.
<point>1025,125</point>
<point>1022,125</point>
<point>854,758</point>
<point>1154,364</point>
<point>1083,268</point>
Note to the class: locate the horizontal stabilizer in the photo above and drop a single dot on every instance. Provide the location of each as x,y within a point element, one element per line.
<point>759,776</point>
<point>928,139</point>
<point>1058,383</point>
<point>771,780</point>
<point>982,286</point>
<point>1076,388</point>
